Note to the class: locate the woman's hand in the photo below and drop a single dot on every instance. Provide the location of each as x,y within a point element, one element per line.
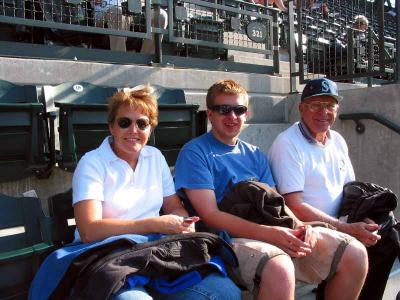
<point>172,224</point>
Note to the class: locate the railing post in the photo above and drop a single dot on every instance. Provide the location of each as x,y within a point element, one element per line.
<point>397,75</point>
<point>292,48</point>
<point>381,34</point>
<point>157,36</point>
<point>370,56</point>
<point>275,43</point>
<point>350,52</point>
<point>300,54</point>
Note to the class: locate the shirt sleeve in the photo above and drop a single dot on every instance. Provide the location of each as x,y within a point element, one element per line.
<point>287,166</point>
<point>167,180</point>
<point>87,181</point>
<point>266,174</point>
<point>350,175</point>
<point>191,171</point>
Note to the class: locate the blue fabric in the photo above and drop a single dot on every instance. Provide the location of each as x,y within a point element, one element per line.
<point>137,280</point>
<point>136,293</point>
<point>56,264</point>
<point>206,163</point>
<point>212,287</point>
<point>163,286</point>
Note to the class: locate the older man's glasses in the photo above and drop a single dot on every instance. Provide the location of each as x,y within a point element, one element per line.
<point>226,109</point>
<point>318,106</point>
<point>125,122</point>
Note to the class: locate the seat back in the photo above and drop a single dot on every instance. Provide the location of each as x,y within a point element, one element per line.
<point>62,215</point>
<point>83,121</point>
<point>24,242</point>
<point>23,133</point>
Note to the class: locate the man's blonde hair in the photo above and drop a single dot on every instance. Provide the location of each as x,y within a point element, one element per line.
<point>227,86</point>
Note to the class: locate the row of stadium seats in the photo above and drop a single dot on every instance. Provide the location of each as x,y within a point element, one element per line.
<point>27,130</point>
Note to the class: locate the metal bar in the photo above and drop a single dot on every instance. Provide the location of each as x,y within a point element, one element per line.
<point>275,43</point>
<point>397,75</point>
<point>350,52</point>
<point>157,36</point>
<point>292,48</point>
<point>73,27</point>
<point>232,9</point>
<point>300,53</point>
<point>381,33</point>
<point>370,56</point>
<point>371,116</point>
<point>216,45</point>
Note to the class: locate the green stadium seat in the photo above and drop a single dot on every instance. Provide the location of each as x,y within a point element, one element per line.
<point>83,121</point>
<point>26,140</point>
<point>24,243</point>
<point>62,216</point>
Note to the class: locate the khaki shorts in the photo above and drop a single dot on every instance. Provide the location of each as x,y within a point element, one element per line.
<point>320,265</point>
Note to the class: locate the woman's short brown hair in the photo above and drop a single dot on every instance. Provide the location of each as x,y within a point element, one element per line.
<point>229,87</point>
<point>140,98</point>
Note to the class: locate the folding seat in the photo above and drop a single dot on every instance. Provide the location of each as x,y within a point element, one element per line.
<point>24,243</point>
<point>27,144</point>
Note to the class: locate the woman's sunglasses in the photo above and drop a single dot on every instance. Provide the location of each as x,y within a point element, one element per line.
<point>226,109</point>
<point>125,122</point>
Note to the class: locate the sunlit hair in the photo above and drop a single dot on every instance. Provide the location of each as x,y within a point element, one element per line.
<point>361,19</point>
<point>229,87</point>
<point>140,98</point>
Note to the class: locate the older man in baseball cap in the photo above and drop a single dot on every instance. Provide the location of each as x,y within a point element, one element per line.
<point>310,163</point>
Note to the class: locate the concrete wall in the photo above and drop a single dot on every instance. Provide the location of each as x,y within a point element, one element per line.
<point>375,154</point>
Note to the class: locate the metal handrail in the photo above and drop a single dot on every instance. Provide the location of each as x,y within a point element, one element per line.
<point>360,128</point>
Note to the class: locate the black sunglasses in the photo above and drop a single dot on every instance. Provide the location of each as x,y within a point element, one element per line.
<point>225,109</point>
<point>125,122</point>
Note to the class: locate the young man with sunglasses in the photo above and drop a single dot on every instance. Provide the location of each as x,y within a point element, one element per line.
<point>311,164</point>
<point>270,257</point>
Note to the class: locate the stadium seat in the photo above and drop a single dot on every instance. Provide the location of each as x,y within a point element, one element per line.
<point>83,121</point>
<point>26,141</point>
<point>62,216</point>
<point>24,243</point>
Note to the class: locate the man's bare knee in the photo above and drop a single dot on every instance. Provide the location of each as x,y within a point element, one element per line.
<point>277,279</point>
<point>354,258</point>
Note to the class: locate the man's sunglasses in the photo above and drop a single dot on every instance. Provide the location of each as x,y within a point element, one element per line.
<point>226,109</point>
<point>125,122</point>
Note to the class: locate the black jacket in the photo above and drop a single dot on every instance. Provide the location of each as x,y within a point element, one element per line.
<point>257,202</point>
<point>100,272</point>
<point>367,200</point>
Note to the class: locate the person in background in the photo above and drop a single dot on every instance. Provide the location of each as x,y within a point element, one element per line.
<point>120,187</point>
<point>310,164</point>
<point>108,13</point>
<point>209,168</point>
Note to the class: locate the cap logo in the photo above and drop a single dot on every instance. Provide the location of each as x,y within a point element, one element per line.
<point>325,87</point>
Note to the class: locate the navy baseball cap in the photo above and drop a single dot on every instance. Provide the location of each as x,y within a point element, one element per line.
<point>320,87</point>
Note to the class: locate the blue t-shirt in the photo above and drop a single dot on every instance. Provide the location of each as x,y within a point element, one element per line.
<point>206,163</point>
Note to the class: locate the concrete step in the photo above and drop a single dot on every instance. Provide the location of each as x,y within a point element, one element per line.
<point>393,285</point>
<point>53,72</point>
<point>267,109</point>
<point>262,135</point>
<point>261,59</point>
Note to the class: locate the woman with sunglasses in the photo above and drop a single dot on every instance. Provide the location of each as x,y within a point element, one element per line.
<point>120,187</point>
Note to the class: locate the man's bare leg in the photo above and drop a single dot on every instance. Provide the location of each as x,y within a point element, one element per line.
<point>351,273</point>
<point>277,279</point>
